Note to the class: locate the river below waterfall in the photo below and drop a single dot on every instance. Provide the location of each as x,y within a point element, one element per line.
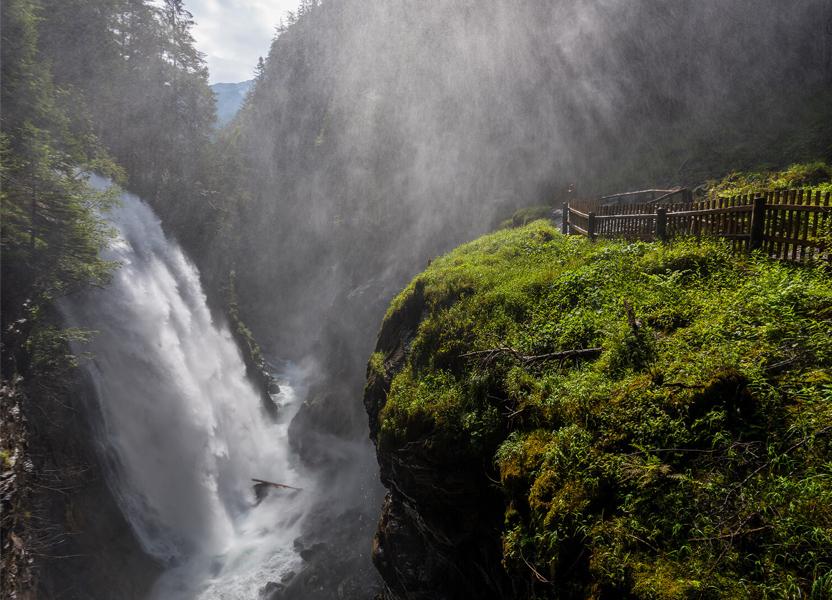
<point>182,430</point>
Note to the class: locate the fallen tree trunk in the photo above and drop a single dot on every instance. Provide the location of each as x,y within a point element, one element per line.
<point>488,356</point>
<point>263,482</point>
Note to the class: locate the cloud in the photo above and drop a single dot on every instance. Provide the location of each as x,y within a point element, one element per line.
<point>233,33</point>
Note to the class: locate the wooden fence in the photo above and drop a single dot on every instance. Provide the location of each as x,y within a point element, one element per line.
<point>793,225</point>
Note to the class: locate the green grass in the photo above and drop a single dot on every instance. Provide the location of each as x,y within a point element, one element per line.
<point>524,216</point>
<point>690,459</point>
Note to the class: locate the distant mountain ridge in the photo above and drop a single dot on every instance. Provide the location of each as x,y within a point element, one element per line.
<point>230,98</point>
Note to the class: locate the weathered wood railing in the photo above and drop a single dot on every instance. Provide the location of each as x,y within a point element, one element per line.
<point>649,196</point>
<point>793,225</point>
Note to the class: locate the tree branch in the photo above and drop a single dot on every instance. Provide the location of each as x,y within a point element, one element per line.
<point>492,353</point>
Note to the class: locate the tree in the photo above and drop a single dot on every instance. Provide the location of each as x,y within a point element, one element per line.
<point>50,229</point>
<point>260,69</point>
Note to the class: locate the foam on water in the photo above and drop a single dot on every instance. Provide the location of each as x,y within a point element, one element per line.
<point>183,430</point>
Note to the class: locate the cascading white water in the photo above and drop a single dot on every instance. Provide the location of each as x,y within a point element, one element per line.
<point>184,431</point>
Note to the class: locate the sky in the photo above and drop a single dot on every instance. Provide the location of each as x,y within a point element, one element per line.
<point>233,33</point>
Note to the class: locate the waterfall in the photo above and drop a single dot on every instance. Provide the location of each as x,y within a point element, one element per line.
<point>183,431</point>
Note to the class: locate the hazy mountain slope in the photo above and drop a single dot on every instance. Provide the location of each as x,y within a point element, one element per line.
<point>229,98</point>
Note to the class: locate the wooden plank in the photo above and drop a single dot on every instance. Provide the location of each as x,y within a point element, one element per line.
<point>803,234</point>
<point>813,243</point>
<point>806,207</point>
<point>714,217</point>
<point>771,215</point>
<point>781,233</point>
<point>738,219</point>
<point>825,227</point>
<point>779,223</point>
<point>756,227</point>
<point>730,221</point>
<point>742,221</point>
<point>696,221</point>
<point>796,226</point>
<point>716,211</point>
<point>813,228</point>
<point>625,218</point>
<point>638,193</point>
<point>784,225</point>
<point>817,219</point>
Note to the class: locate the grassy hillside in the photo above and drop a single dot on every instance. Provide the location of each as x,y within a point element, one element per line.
<point>688,457</point>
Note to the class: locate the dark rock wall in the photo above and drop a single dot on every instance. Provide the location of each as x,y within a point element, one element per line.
<point>82,544</point>
<point>438,535</point>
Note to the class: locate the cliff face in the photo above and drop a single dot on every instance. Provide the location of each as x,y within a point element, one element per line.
<point>437,537</point>
<point>67,536</point>
<point>683,455</point>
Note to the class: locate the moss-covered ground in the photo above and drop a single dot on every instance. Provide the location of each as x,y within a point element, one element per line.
<point>690,457</point>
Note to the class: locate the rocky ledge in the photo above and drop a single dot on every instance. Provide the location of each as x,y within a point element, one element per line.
<point>555,418</point>
<point>438,536</point>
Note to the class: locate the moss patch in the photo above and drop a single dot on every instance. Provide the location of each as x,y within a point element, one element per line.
<point>690,458</point>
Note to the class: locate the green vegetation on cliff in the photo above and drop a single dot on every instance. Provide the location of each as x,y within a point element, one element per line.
<point>813,176</point>
<point>688,458</point>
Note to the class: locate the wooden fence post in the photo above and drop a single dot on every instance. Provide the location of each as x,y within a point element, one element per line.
<point>564,220</point>
<point>758,221</point>
<point>661,224</point>
<point>590,227</point>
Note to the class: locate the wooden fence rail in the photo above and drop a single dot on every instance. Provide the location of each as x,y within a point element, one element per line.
<point>793,225</point>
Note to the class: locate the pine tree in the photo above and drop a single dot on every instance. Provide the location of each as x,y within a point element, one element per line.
<point>50,232</point>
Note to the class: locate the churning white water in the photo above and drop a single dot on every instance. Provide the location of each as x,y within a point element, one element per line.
<point>184,431</point>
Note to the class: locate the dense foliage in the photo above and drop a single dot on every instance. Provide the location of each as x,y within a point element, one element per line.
<point>50,231</point>
<point>140,83</point>
<point>688,457</point>
<point>113,87</point>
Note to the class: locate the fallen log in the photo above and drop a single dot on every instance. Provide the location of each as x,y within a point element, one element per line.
<point>488,356</point>
<point>262,487</point>
<point>263,482</point>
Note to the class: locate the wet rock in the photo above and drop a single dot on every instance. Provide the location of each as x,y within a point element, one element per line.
<point>436,537</point>
<point>310,553</point>
<point>287,577</point>
<point>338,568</point>
<point>271,590</point>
